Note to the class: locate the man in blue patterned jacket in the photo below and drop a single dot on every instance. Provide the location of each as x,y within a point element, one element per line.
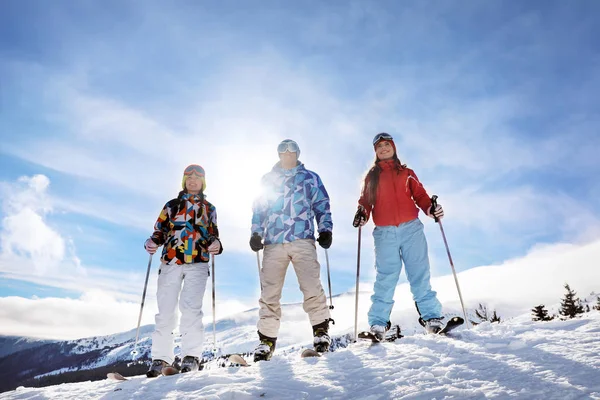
<point>292,197</point>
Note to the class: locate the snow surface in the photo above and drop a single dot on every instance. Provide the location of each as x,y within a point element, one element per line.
<point>515,359</point>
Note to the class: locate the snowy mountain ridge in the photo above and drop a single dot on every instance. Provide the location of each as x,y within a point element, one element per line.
<point>238,334</point>
<point>517,358</point>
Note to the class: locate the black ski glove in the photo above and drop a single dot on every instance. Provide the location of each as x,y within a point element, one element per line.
<point>209,243</point>
<point>325,239</point>
<point>256,242</point>
<point>360,218</point>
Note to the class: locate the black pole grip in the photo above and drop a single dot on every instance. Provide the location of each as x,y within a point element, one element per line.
<point>433,207</point>
<point>357,218</point>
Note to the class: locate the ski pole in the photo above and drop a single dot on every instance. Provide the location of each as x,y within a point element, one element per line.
<point>213,305</point>
<point>258,263</point>
<point>357,277</point>
<point>433,206</point>
<point>329,280</point>
<point>137,334</point>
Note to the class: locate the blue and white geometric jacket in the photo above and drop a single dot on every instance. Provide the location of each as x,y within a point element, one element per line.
<point>289,201</point>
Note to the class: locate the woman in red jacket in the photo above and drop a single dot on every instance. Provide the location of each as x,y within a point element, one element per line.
<point>389,193</point>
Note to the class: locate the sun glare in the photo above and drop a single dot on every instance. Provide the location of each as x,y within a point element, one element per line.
<point>235,183</point>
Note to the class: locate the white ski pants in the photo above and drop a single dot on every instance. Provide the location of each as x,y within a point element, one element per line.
<point>276,258</point>
<point>170,279</point>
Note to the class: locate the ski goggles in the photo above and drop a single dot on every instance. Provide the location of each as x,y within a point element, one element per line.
<point>382,136</point>
<point>288,145</point>
<point>194,169</point>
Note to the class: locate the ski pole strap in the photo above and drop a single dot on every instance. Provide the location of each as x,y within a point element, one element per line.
<point>433,207</point>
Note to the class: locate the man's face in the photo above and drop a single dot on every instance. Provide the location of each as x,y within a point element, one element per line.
<point>288,157</point>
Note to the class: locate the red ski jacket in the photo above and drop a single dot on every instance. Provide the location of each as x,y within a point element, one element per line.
<point>397,193</point>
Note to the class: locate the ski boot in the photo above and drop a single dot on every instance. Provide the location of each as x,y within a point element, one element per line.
<point>156,368</point>
<point>321,339</point>
<point>265,348</point>
<point>434,325</point>
<point>379,331</point>
<point>190,364</point>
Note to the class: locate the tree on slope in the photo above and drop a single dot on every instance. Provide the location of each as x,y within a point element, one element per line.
<point>482,313</point>
<point>570,305</point>
<point>495,317</point>
<point>597,306</point>
<point>540,313</point>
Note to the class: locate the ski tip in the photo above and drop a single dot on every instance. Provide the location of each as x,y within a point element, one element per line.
<point>368,336</point>
<point>310,353</point>
<point>169,370</point>
<point>115,376</point>
<point>237,359</point>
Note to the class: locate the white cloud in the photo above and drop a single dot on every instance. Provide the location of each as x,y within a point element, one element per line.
<point>33,251</point>
<point>95,312</point>
<point>24,231</point>
<point>458,146</point>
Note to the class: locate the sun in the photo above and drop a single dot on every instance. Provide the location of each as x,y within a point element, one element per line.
<point>233,183</point>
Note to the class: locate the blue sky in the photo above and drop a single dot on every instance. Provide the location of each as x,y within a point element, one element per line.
<point>102,105</point>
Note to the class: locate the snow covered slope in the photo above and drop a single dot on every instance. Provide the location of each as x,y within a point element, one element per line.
<point>518,358</point>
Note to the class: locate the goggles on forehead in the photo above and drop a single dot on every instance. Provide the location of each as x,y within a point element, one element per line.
<point>198,170</point>
<point>382,136</point>
<point>286,145</point>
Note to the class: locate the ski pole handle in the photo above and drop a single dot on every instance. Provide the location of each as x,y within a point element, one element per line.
<point>433,207</point>
<point>359,217</point>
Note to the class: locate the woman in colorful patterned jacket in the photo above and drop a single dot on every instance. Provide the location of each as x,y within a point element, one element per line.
<point>187,230</point>
<point>389,193</point>
<point>292,197</point>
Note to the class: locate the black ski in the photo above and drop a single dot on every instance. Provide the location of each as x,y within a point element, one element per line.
<point>366,335</point>
<point>390,336</point>
<point>452,323</point>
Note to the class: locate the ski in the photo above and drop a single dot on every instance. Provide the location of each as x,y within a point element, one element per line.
<point>236,359</point>
<point>169,370</point>
<point>310,353</point>
<point>115,376</point>
<point>390,336</point>
<point>452,323</point>
<point>366,335</point>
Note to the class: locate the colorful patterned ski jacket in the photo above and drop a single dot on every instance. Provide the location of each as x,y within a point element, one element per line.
<point>186,227</point>
<point>397,193</point>
<point>289,201</point>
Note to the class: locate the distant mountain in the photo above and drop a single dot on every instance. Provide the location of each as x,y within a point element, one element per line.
<point>13,344</point>
<point>26,361</point>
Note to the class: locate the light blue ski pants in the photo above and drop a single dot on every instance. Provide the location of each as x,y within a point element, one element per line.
<point>394,244</point>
